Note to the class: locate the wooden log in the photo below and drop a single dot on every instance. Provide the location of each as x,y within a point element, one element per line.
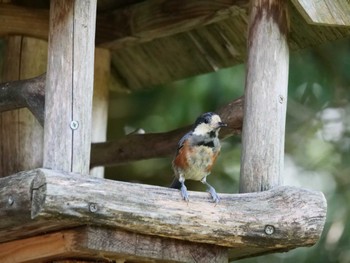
<point>326,12</point>
<point>265,97</point>
<point>96,243</point>
<point>276,220</point>
<point>69,85</point>
<point>21,137</point>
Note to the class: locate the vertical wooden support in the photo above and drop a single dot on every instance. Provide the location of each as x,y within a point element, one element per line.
<point>265,96</point>
<point>100,101</point>
<point>21,136</point>
<point>69,85</point>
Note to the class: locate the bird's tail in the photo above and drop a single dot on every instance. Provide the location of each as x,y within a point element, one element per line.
<point>175,184</point>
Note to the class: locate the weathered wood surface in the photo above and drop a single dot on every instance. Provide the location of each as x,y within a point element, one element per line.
<point>69,85</point>
<point>325,12</point>
<point>96,243</point>
<point>265,104</point>
<point>274,220</point>
<point>21,137</point>
<point>100,101</point>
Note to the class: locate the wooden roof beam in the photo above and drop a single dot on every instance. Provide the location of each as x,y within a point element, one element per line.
<point>280,219</point>
<point>325,12</point>
<point>129,25</point>
<point>151,19</point>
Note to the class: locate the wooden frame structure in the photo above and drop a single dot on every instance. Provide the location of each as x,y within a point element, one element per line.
<point>57,212</point>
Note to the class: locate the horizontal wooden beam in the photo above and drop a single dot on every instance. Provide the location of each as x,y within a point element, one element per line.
<point>325,12</point>
<point>152,19</point>
<point>130,25</point>
<point>276,220</point>
<point>96,243</point>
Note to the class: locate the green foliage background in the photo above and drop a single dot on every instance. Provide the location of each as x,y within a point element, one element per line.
<point>317,136</point>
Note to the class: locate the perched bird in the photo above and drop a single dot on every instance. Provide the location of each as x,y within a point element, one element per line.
<point>196,154</point>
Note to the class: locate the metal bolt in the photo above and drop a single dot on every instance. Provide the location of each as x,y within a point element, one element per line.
<point>93,207</point>
<point>269,230</point>
<point>280,99</point>
<point>74,125</point>
<point>10,201</point>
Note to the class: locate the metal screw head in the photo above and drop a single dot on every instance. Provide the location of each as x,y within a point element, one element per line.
<point>93,207</point>
<point>280,99</point>
<point>269,230</point>
<point>10,200</point>
<point>74,125</point>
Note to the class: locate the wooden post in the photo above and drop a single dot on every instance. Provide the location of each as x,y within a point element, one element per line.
<point>265,96</point>
<point>100,101</point>
<point>21,136</point>
<point>69,85</point>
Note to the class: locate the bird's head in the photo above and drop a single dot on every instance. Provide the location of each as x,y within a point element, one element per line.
<point>208,123</point>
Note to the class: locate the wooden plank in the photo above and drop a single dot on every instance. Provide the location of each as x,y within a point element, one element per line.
<point>96,243</point>
<point>21,136</point>
<point>63,200</point>
<point>326,12</point>
<point>265,97</point>
<point>69,86</point>
<point>100,101</point>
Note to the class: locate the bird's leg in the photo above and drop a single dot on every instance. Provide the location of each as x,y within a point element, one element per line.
<point>183,189</point>
<point>211,190</point>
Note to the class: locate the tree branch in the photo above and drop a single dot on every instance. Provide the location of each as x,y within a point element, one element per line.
<point>30,93</point>
<point>136,147</point>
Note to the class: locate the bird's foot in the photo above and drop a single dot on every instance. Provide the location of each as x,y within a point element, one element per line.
<point>212,191</point>
<point>213,194</point>
<point>184,192</point>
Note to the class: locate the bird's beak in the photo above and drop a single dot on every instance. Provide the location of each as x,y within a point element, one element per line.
<point>222,124</point>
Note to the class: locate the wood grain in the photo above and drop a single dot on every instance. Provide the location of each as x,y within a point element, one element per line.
<point>61,200</point>
<point>69,86</point>
<point>326,12</point>
<point>265,104</point>
<point>100,244</point>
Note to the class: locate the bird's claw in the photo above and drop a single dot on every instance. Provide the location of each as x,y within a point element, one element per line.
<point>184,193</point>
<point>213,194</point>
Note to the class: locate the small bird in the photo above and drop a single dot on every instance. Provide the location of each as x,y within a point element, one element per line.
<point>196,154</point>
